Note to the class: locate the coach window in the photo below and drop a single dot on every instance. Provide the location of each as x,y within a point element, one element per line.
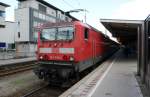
<point>86,33</point>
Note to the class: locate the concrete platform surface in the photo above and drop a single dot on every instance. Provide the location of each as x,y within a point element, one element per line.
<point>120,80</point>
<point>113,78</point>
<point>15,61</point>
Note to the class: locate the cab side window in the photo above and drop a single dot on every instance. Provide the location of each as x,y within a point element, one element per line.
<point>86,33</point>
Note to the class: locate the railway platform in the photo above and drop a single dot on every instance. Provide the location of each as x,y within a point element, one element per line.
<point>114,78</point>
<point>16,61</point>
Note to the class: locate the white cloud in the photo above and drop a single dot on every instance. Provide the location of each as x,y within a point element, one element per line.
<point>134,9</point>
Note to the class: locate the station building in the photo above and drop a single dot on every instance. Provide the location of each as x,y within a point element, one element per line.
<point>8,35</point>
<point>7,30</point>
<point>29,15</point>
<point>2,14</point>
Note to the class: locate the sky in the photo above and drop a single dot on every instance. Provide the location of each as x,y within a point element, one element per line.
<point>96,9</point>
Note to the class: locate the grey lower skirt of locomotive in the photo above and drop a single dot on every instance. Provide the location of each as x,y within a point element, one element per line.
<point>56,72</point>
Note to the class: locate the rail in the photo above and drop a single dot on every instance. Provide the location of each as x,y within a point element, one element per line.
<point>34,91</point>
<point>15,68</point>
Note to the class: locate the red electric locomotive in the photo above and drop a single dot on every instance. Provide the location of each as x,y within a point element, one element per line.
<point>67,48</point>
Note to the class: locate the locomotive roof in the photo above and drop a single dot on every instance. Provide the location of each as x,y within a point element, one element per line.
<point>63,24</point>
<point>91,27</point>
<point>57,24</point>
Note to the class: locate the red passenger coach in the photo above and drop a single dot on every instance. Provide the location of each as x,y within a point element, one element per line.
<point>67,48</point>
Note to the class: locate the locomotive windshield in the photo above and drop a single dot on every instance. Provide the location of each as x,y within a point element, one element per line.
<point>61,33</point>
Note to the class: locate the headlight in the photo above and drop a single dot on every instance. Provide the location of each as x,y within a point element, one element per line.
<point>71,58</point>
<point>41,57</point>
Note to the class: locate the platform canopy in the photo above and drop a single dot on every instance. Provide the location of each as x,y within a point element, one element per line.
<point>124,30</point>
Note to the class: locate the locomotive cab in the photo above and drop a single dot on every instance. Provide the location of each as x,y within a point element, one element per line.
<point>56,52</point>
<point>56,44</point>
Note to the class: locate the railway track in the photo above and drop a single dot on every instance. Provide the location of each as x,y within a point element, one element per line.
<point>15,68</point>
<point>53,91</point>
<point>45,91</point>
<point>34,91</point>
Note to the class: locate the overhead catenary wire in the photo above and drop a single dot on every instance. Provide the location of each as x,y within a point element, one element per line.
<point>78,3</point>
<point>79,7</point>
<point>68,4</point>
